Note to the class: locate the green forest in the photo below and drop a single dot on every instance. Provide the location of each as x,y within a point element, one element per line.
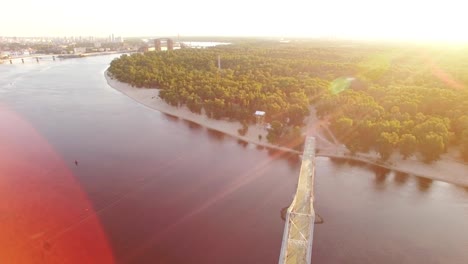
<point>406,98</point>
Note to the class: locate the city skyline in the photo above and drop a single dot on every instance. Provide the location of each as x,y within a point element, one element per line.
<point>361,19</point>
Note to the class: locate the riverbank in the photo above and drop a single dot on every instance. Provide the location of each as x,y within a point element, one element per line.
<point>447,169</point>
<point>92,54</point>
<point>150,98</point>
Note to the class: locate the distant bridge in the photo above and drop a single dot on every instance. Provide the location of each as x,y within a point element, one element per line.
<point>300,217</point>
<point>28,58</point>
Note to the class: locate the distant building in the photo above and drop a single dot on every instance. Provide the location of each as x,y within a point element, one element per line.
<point>5,54</point>
<point>170,44</point>
<point>157,44</point>
<point>79,50</point>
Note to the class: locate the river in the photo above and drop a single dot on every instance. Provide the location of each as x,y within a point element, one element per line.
<point>90,176</point>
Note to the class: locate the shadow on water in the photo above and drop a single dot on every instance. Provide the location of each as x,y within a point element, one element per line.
<point>401,178</point>
<point>338,161</point>
<point>283,212</point>
<point>277,154</point>
<point>293,160</point>
<point>242,143</point>
<point>424,184</point>
<point>318,219</point>
<point>260,147</point>
<point>380,172</point>
<point>341,161</point>
<point>193,126</point>
<point>215,134</point>
<point>380,177</point>
<point>356,163</point>
<point>171,118</point>
<point>274,152</point>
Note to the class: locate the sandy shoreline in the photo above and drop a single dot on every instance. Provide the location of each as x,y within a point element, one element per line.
<point>150,98</point>
<point>447,169</point>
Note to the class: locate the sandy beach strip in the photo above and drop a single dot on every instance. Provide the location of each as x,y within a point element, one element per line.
<point>150,98</point>
<point>447,169</point>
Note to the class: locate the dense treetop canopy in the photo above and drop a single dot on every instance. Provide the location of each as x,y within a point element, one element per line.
<point>406,98</point>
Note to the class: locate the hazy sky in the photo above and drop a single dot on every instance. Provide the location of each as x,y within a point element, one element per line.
<point>388,19</point>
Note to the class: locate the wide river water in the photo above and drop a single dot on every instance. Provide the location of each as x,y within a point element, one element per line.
<point>150,188</point>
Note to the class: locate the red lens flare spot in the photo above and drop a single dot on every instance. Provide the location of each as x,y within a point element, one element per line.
<point>45,216</point>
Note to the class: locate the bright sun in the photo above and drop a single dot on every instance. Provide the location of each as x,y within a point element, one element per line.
<point>367,19</point>
<point>396,19</point>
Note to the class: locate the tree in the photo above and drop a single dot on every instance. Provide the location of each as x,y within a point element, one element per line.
<point>431,147</point>
<point>464,145</point>
<point>460,125</point>
<point>297,114</point>
<point>296,138</point>
<point>342,127</point>
<point>194,104</point>
<point>408,145</point>
<point>367,132</point>
<point>386,142</point>
<point>242,131</point>
<point>399,99</point>
<point>275,132</point>
<point>433,125</point>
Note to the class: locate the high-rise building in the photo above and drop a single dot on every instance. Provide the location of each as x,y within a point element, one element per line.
<point>157,44</point>
<point>170,44</point>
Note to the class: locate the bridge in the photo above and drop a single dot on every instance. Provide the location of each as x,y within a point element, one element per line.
<point>296,246</point>
<point>29,58</point>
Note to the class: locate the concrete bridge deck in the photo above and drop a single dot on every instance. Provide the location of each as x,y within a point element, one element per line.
<point>299,226</point>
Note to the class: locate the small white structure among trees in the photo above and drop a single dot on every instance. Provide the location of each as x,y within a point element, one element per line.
<point>260,116</point>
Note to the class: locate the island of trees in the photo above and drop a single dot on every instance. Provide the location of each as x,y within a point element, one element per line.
<point>411,99</point>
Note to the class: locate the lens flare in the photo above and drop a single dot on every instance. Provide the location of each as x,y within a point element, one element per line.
<point>340,84</point>
<point>45,216</point>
